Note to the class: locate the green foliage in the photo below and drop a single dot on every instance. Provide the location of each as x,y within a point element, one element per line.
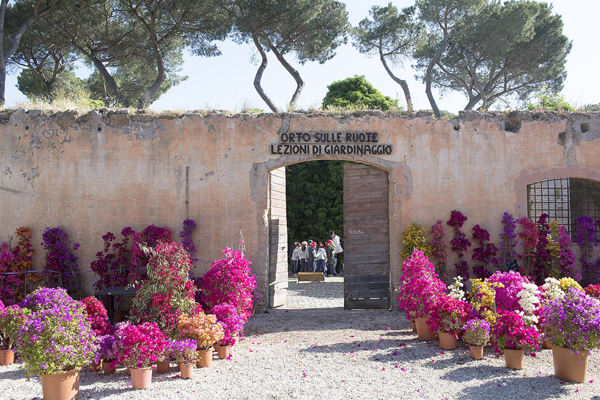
<point>547,100</point>
<point>315,199</point>
<point>357,91</point>
<point>31,85</point>
<point>414,238</point>
<point>591,107</point>
<point>492,51</point>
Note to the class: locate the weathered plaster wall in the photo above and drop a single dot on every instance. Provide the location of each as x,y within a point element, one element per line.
<point>103,171</point>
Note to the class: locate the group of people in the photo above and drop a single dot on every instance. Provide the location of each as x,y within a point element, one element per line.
<point>311,256</point>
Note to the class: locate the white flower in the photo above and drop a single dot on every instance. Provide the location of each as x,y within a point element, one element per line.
<point>552,289</point>
<point>529,300</point>
<point>455,289</point>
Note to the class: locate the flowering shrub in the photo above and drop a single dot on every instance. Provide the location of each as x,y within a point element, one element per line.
<point>447,314</point>
<point>185,351</point>
<point>60,262</point>
<point>511,332</point>
<point>97,317</point>
<point>485,254</point>
<point>530,242</point>
<point>506,294</point>
<point>477,332</point>
<point>11,319</point>
<point>593,291</point>
<point>438,250</point>
<point>414,238</point>
<point>229,281</point>
<point>551,289</point>
<point>585,237</point>
<point>55,337</point>
<point>420,286</point>
<point>542,257</point>
<point>112,264</point>
<point>139,345</point>
<point>456,289</point>
<point>565,255</point>
<point>232,323</point>
<point>151,237</point>
<point>189,226</point>
<point>483,298</point>
<point>202,328</point>
<point>567,283</point>
<point>529,301</point>
<point>168,293</point>
<point>508,242</point>
<point>572,321</point>
<point>108,348</point>
<point>16,260</point>
<point>459,243</point>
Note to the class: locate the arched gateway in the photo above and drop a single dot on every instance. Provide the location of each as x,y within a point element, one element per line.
<point>105,170</point>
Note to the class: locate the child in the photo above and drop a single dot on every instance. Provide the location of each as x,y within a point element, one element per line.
<point>330,257</point>
<point>295,259</point>
<point>303,251</point>
<point>321,257</point>
<point>311,255</point>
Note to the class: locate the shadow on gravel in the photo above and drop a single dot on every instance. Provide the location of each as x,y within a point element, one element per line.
<point>530,388</point>
<point>12,374</point>
<point>318,319</point>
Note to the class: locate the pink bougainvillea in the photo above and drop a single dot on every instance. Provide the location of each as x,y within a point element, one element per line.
<point>97,316</point>
<point>511,283</point>
<point>139,345</point>
<point>511,332</point>
<point>233,324</point>
<point>231,281</point>
<point>448,314</point>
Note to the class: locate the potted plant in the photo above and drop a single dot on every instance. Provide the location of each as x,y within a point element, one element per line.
<point>233,325</point>
<point>512,336</point>
<point>447,315</point>
<point>205,330</point>
<point>420,286</point>
<point>11,319</point>
<point>477,336</point>
<point>55,341</point>
<point>593,291</point>
<point>186,354</point>
<point>98,319</point>
<point>572,325</point>
<point>139,346</point>
<point>163,362</point>
<point>107,353</point>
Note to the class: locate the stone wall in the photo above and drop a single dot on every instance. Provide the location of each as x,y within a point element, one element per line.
<point>104,170</point>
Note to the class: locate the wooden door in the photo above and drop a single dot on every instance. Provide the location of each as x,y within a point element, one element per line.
<point>366,238</point>
<point>278,247</point>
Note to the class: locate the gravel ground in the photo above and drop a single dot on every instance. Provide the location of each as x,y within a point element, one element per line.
<point>336,354</point>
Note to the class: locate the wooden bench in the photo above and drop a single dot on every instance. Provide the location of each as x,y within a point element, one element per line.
<point>311,277</point>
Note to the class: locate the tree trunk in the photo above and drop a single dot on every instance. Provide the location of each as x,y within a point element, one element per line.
<point>428,75</point>
<point>2,82</point>
<point>160,65</point>
<point>258,76</point>
<point>401,82</point>
<point>295,74</point>
<point>473,102</point>
<point>120,97</point>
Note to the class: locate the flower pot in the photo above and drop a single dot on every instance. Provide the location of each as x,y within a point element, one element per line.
<point>162,367</point>
<point>187,370</point>
<point>63,386</point>
<point>513,358</point>
<point>223,351</point>
<point>413,325</point>
<point>141,378</point>
<point>423,331</point>
<point>447,341</point>
<point>569,366</point>
<point>7,357</point>
<point>96,367</point>
<point>476,352</point>
<point>205,358</point>
<point>546,344</point>
<point>107,368</point>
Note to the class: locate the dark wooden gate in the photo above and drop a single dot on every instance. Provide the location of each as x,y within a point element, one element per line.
<point>366,238</point>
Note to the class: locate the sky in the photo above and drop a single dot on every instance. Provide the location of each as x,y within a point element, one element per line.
<point>226,82</point>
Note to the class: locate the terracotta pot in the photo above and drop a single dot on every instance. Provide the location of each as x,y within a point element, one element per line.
<point>187,370</point>
<point>63,386</point>
<point>447,341</point>
<point>162,367</point>
<point>7,357</point>
<point>141,378</point>
<point>413,325</point>
<point>423,331</point>
<point>513,358</point>
<point>223,351</point>
<point>569,366</point>
<point>96,367</point>
<point>205,358</point>
<point>107,369</point>
<point>546,344</point>
<point>476,352</point>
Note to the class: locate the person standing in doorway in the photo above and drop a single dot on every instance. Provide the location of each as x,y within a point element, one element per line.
<point>338,251</point>
<point>330,257</point>
<point>295,259</point>
<point>321,257</point>
<point>303,251</point>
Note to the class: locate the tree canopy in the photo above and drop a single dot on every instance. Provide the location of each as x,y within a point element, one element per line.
<point>389,35</point>
<point>357,92</point>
